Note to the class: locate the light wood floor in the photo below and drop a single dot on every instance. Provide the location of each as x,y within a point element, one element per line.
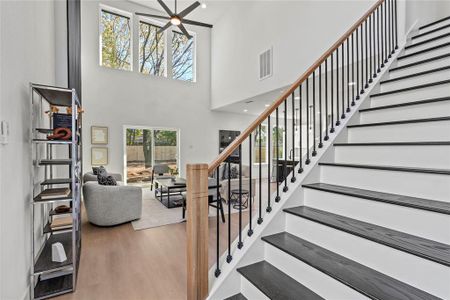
<point>120,263</point>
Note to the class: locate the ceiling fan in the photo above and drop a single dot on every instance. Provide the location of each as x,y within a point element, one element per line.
<point>177,18</point>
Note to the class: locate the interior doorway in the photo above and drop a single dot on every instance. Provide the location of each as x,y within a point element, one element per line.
<point>145,147</point>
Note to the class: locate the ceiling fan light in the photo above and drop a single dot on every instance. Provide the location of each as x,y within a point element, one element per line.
<point>175,20</point>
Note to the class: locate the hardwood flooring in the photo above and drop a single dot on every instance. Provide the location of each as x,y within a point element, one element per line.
<point>120,263</point>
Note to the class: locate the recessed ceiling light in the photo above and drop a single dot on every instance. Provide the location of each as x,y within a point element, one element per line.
<point>267,105</point>
<point>245,110</point>
<point>203,5</point>
<point>351,83</point>
<point>297,97</point>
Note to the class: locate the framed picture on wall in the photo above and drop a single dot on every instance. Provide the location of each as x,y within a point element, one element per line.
<point>99,135</point>
<point>99,156</point>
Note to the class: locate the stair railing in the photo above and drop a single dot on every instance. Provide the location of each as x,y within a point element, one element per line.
<point>305,114</point>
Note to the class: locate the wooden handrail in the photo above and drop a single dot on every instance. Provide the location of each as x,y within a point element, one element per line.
<point>268,111</point>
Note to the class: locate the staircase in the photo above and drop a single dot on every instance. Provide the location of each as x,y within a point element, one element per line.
<point>375,219</point>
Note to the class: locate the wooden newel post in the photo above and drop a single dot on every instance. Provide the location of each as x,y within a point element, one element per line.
<point>197,231</point>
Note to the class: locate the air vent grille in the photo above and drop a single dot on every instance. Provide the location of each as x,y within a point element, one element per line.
<point>265,64</point>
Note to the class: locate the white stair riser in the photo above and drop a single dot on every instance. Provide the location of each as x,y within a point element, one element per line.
<point>421,111</point>
<point>432,27</point>
<point>411,132</point>
<point>250,291</point>
<point>418,272</point>
<point>414,221</point>
<point>422,56</point>
<point>407,156</point>
<point>420,68</point>
<point>435,91</point>
<point>421,185</point>
<point>432,35</point>
<point>427,45</point>
<point>414,81</point>
<point>317,281</point>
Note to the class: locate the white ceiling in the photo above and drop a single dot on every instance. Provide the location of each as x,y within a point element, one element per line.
<point>213,11</point>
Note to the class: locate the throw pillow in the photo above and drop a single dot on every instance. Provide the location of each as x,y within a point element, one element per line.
<point>106,180</point>
<point>95,170</point>
<point>233,172</point>
<point>102,171</point>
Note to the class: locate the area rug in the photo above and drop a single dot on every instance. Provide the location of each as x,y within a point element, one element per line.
<point>155,214</point>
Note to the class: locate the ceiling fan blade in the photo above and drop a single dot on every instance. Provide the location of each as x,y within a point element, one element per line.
<point>165,7</point>
<point>164,27</point>
<point>190,22</point>
<point>189,9</point>
<point>184,31</point>
<point>153,16</point>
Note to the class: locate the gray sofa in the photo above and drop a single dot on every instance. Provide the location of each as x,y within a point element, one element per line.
<point>89,176</point>
<point>108,205</point>
<point>234,183</point>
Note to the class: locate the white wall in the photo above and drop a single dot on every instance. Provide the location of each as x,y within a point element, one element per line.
<point>27,40</point>
<point>426,11</point>
<point>298,31</point>
<point>116,98</point>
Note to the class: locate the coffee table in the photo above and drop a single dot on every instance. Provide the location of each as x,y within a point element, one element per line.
<point>170,190</point>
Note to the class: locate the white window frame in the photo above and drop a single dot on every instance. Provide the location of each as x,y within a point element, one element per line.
<point>146,20</point>
<point>119,12</point>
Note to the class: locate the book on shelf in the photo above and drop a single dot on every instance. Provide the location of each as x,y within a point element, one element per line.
<point>61,222</point>
<point>55,193</point>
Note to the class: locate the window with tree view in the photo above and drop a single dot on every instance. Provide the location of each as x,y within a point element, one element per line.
<point>182,57</point>
<point>151,50</point>
<point>115,41</point>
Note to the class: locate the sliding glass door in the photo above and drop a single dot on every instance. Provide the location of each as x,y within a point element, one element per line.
<point>147,147</point>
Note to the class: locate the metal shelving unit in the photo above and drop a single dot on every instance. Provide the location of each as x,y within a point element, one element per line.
<point>52,278</point>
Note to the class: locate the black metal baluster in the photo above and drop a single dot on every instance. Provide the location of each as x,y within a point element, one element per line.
<point>326,101</point>
<point>240,243</point>
<point>314,152</point>
<point>396,24</point>
<point>391,28</point>
<point>229,257</point>
<point>320,107</point>
<point>277,198</point>
<point>285,188</point>
<point>370,50</point>
<point>268,134</point>
<point>250,186</point>
<point>353,69</point>
<point>332,94</point>
<point>343,82</point>
<point>307,122</point>
<point>362,59</point>
<point>367,54</point>
<point>217,271</point>
<point>380,60</point>
<point>260,219</point>
<point>348,75</point>
<point>357,65</point>
<point>300,118</point>
<point>374,45</point>
<point>293,137</point>
<point>338,122</point>
<point>386,38</point>
<point>383,34</point>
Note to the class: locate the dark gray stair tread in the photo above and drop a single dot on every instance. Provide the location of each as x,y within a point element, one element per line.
<point>236,297</point>
<point>429,40</point>
<point>365,280</point>
<point>416,74</point>
<point>412,103</point>
<point>411,88</point>
<point>275,284</point>
<point>425,248</point>
<point>396,199</point>
<point>423,51</point>
<point>434,23</point>
<point>439,119</point>
<point>430,31</point>
<point>389,168</point>
<point>419,62</point>
<point>432,143</point>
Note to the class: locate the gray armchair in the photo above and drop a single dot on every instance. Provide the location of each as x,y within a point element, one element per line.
<point>89,176</point>
<point>108,205</point>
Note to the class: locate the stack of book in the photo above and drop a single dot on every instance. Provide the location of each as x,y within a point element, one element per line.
<point>60,223</point>
<point>55,193</point>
